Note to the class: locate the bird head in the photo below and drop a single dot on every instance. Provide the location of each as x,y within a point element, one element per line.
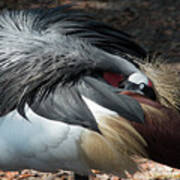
<point>140,83</point>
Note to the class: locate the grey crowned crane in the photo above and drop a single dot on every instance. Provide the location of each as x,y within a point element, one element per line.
<point>61,101</point>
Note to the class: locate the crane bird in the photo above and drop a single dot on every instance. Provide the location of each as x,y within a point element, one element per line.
<point>61,101</point>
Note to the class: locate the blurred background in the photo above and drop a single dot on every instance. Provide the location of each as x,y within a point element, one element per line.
<point>155,24</point>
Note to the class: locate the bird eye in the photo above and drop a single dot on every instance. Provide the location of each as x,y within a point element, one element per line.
<point>141,86</point>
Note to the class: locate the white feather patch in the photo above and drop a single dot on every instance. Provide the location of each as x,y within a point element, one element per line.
<point>138,78</point>
<point>97,110</point>
<point>39,143</point>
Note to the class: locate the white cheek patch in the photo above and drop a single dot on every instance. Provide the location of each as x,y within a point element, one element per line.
<point>138,78</point>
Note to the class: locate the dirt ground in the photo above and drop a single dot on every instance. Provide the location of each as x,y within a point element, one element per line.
<point>155,24</point>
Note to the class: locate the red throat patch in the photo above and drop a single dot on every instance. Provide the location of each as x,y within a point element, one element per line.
<point>113,78</point>
<point>150,84</point>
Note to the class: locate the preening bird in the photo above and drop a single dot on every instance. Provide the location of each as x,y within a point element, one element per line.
<point>61,106</point>
<point>162,117</point>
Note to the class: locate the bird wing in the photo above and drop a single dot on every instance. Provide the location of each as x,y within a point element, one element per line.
<point>48,51</point>
<point>49,60</point>
<point>68,105</point>
<point>79,24</point>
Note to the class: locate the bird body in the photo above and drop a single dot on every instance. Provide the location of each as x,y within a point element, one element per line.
<point>160,131</point>
<point>59,107</point>
<point>55,105</point>
<point>37,143</point>
<point>48,145</point>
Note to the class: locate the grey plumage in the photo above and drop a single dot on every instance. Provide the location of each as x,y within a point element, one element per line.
<point>42,49</point>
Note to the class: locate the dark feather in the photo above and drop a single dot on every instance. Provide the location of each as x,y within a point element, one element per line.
<point>107,96</point>
<point>41,49</point>
<point>81,25</point>
<point>65,103</point>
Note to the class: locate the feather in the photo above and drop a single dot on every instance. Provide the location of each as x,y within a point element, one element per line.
<point>37,53</point>
<point>118,146</point>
